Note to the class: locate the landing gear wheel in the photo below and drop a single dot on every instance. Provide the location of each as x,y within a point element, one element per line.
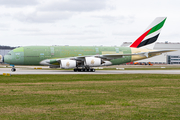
<point>13,69</point>
<point>84,70</point>
<point>92,70</point>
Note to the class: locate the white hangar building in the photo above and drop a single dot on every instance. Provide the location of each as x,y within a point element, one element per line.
<point>165,58</point>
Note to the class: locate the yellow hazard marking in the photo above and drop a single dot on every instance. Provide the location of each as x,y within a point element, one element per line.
<point>39,68</point>
<point>6,74</point>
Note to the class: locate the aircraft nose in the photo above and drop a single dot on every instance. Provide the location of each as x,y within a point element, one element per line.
<point>6,59</point>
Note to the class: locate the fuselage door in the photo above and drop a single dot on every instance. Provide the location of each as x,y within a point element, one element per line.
<point>17,56</point>
<point>41,56</point>
<point>117,50</point>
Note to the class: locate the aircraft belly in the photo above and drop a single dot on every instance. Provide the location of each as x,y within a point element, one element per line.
<point>124,59</point>
<point>121,60</point>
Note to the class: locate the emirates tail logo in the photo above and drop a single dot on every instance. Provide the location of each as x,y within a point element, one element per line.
<point>67,64</point>
<point>92,61</point>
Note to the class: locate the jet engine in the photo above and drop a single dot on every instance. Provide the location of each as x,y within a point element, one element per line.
<point>67,64</point>
<point>93,62</point>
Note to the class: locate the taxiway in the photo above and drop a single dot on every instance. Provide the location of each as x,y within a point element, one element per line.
<point>31,71</point>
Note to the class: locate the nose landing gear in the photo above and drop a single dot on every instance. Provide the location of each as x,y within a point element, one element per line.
<point>13,68</point>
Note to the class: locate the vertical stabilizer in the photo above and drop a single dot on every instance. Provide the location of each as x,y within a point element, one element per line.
<point>151,34</point>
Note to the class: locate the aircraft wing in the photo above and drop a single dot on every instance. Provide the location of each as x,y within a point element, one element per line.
<point>106,57</point>
<point>116,56</point>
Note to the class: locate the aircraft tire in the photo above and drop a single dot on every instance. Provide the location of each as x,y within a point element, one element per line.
<point>92,70</point>
<point>13,69</point>
<point>84,70</point>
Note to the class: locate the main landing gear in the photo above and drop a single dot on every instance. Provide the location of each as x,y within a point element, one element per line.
<point>84,70</point>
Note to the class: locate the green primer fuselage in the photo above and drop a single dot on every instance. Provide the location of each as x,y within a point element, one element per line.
<point>33,55</point>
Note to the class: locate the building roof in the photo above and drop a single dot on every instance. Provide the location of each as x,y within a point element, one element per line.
<point>7,47</point>
<point>167,45</point>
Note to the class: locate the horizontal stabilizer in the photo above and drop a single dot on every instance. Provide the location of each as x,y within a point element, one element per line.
<point>155,52</point>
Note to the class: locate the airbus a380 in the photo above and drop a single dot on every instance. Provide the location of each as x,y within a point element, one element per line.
<point>83,58</point>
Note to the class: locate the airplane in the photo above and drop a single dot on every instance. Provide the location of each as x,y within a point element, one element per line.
<point>84,58</point>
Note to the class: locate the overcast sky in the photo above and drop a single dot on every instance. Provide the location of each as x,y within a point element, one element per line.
<point>84,22</point>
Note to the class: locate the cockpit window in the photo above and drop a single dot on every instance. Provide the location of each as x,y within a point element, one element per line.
<point>9,53</point>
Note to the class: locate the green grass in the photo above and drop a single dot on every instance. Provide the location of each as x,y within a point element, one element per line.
<point>128,96</point>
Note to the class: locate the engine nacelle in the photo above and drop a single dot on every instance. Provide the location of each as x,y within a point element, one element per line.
<point>68,64</point>
<point>92,61</point>
<point>106,63</point>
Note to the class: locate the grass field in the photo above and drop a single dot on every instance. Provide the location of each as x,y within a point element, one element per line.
<point>128,96</point>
